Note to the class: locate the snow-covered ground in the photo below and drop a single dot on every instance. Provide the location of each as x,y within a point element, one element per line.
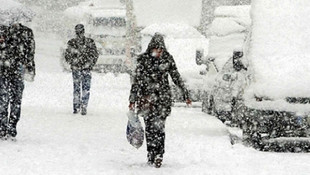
<point>51,140</point>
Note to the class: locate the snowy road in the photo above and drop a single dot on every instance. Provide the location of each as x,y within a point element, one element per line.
<point>51,140</point>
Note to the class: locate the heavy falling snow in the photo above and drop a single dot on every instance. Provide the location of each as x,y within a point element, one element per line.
<point>53,141</point>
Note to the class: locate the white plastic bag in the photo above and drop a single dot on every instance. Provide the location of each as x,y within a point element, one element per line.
<point>134,131</point>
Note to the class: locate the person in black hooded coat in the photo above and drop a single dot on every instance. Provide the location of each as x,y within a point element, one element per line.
<point>151,95</point>
<point>17,64</point>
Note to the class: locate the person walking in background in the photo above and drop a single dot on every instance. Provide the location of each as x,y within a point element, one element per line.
<point>151,95</point>
<point>17,63</point>
<point>82,55</point>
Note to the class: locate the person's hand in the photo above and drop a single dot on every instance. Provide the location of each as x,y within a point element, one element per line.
<point>188,102</point>
<point>131,106</point>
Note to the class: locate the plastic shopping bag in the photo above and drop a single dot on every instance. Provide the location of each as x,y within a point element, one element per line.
<point>134,131</point>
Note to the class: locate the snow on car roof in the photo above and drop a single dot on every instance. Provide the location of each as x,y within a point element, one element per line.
<point>240,14</point>
<point>280,49</point>
<point>162,11</point>
<point>97,9</point>
<point>233,11</point>
<point>225,26</point>
<point>76,11</point>
<point>228,31</point>
<point>103,12</point>
<point>100,3</point>
<point>177,30</point>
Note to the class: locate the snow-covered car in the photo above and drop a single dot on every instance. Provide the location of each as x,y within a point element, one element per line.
<point>182,40</point>
<point>276,109</point>
<point>222,83</point>
<point>106,24</point>
<point>227,90</point>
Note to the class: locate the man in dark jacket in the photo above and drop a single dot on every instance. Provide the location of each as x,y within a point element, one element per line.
<point>17,63</point>
<point>151,93</point>
<point>82,55</point>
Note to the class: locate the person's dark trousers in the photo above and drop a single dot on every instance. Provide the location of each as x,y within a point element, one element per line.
<point>81,88</point>
<point>155,135</point>
<point>11,92</point>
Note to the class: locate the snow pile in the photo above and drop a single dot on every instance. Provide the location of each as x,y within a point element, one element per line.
<point>182,41</point>
<point>228,32</point>
<point>163,11</point>
<point>279,48</point>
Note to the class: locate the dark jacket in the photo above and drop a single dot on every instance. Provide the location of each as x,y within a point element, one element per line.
<point>19,50</point>
<point>3,47</point>
<point>150,82</point>
<point>81,53</point>
<point>3,43</point>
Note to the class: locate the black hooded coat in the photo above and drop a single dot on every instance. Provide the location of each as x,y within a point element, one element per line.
<point>150,88</point>
<point>19,49</point>
<point>81,53</point>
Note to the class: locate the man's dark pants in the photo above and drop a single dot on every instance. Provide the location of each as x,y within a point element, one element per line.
<point>155,120</point>
<point>81,88</point>
<point>11,92</point>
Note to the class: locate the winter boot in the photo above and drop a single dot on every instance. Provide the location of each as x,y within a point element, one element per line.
<point>3,128</point>
<point>76,108</point>
<point>76,111</point>
<point>84,111</point>
<point>158,161</point>
<point>11,131</point>
<point>2,133</point>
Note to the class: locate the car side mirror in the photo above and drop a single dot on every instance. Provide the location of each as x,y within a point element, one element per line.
<point>199,56</point>
<point>211,59</point>
<point>226,77</point>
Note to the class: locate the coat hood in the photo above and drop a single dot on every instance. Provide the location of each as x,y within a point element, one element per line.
<point>156,42</point>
